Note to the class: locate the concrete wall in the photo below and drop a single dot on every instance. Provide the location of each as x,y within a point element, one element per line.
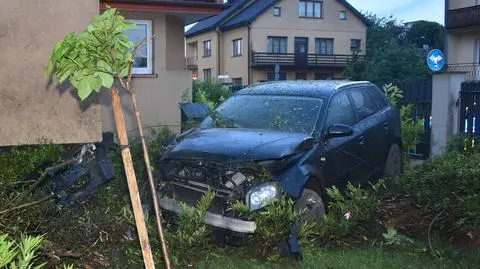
<point>445,117</point>
<point>30,107</point>
<point>454,4</point>
<point>291,26</point>
<point>462,46</point>
<point>159,95</point>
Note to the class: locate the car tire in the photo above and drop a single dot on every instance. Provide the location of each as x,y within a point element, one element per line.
<point>393,163</point>
<point>312,203</point>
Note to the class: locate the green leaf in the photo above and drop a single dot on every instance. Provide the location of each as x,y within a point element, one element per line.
<point>84,89</point>
<point>95,83</point>
<point>124,72</point>
<point>107,80</point>
<point>57,50</point>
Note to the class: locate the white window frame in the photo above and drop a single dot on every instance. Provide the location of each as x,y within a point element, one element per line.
<point>342,15</point>
<point>149,69</point>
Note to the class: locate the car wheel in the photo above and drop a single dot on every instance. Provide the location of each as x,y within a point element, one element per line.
<point>312,204</point>
<point>393,163</point>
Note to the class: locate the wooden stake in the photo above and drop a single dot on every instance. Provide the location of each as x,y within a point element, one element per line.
<point>132,181</point>
<point>156,204</point>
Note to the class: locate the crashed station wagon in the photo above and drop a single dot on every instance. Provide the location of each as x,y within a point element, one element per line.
<point>292,138</point>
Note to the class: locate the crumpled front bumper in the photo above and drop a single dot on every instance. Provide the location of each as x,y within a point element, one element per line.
<point>216,220</point>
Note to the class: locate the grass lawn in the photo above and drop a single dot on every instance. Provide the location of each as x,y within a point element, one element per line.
<point>346,259</point>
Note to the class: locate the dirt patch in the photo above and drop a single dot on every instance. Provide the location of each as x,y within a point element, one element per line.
<point>415,221</point>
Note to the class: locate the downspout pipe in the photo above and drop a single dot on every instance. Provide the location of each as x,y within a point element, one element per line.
<point>219,43</point>
<point>249,53</point>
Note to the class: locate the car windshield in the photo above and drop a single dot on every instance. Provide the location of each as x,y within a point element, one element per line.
<point>266,112</point>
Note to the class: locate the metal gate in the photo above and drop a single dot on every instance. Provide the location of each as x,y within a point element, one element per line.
<point>470,110</point>
<point>418,92</point>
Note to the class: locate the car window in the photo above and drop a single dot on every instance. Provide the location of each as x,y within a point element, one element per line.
<point>267,112</point>
<point>364,103</point>
<point>379,97</point>
<point>340,111</point>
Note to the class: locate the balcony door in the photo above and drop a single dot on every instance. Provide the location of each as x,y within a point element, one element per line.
<point>301,51</point>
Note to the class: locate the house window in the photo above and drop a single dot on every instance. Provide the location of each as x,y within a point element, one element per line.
<point>143,58</point>
<point>207,48</point>
<point>276,44</point>
<point>324,46</point>
<point>207,74</point>
<point>237,47</point>
<point>310,8</point>
<point>355,45</point>
<point>301,76</point>
<point>271,76</point>
<point>237,81</point>
<point>323,76</point>
<point>277,11</point>
<point>342,15</point>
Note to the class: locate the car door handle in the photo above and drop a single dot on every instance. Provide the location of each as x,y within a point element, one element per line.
<point>385,125</point>
<point>361,140</point>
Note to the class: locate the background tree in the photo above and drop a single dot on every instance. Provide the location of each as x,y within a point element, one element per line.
<point>426,33</point>
<point>391,54</point>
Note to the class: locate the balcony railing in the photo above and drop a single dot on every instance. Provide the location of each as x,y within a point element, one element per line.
<point>298,60</point>
<point>471,70</point>
<point>463,18</point>
<point>192,63</point>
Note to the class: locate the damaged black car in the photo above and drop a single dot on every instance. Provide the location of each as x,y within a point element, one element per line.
<point>292,138</point>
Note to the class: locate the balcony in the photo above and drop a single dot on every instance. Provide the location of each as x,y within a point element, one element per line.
<point>471,70</point>
<point>192,63</point>
<point>462,18</point>
<point>300,61</point>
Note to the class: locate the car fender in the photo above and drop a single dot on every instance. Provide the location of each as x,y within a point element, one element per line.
<point>294,179</point>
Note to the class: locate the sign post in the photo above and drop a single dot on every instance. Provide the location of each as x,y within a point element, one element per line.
<point>277,72</point>
<point>435,60</point>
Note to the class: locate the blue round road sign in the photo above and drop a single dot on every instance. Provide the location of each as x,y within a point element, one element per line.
<point>435,60</point>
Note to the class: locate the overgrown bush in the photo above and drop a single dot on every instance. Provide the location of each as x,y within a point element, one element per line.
<point>21,160</point>
<point>350,213</point>
<point>449,183</point>
<point>209,93</point>
<point>462,144</point>
<point>21,255</point>
<point>412,128</point>
<point>187,236</point>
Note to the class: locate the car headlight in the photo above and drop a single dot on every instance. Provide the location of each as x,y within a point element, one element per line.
<point>261,195</point>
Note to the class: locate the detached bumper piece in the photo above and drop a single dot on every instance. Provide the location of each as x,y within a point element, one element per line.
<point>216,220</point>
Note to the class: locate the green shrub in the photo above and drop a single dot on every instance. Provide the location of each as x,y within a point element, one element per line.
<point>360,204</point>
<point>412,128</point>
<point>210,93</point>
<point>21,160</point>
<point>462,144</point>
<point>449,183</point>
<point>274,220</point>
<point>22,255</point>
<point>186,237</point>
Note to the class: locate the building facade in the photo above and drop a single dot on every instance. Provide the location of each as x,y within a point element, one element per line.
<point>33,108</point>
<point>307,39</point>
<point>462,52</point>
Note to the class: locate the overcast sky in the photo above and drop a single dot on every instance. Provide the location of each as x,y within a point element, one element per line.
<point>403,10</point>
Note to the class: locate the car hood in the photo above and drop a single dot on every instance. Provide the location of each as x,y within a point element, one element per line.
<point>231,145</point>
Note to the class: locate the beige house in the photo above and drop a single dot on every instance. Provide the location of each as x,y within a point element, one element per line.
<point>462,52</point>
<point>32,108</point>
<point>307,39</point>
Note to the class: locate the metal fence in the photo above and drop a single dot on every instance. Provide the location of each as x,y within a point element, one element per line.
<point>418,92</point>
<point>470,109</point>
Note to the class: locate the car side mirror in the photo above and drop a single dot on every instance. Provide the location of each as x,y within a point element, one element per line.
<point>339,130</point>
